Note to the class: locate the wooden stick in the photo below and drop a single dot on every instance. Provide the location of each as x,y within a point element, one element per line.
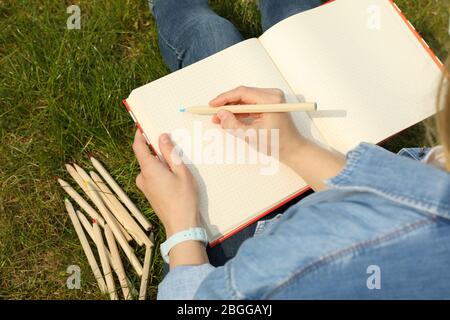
<point>117,262</point>
<point>89,229</point>
<point>125,233</point>
<point>86,247</point>
<point>83,204</point>
<point>104,261</point>
<point>121,194</point>
<point>119,210</point>
<point>253,108</point>
<point>145,273</point>
<point>88,186</point>
<point>86,224</point>
<point>109,218</point>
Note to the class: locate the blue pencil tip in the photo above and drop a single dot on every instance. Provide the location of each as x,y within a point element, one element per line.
<point>182,109</point>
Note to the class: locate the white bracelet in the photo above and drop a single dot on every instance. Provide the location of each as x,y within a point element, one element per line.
<point>196,234</point>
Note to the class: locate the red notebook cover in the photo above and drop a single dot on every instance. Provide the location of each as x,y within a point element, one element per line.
<point>303,190</point>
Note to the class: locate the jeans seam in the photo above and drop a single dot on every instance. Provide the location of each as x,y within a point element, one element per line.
<point>178,54</point>
<point>356,248</point>
<point>412,155</point>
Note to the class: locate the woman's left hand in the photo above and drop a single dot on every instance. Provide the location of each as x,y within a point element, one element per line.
<point>168,185</point>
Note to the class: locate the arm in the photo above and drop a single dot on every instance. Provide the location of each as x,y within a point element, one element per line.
<point>162,183</point>
<point>309,160</point>
<point>313,163</point>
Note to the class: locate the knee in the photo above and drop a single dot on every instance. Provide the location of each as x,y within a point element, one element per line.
<point>214,34</point>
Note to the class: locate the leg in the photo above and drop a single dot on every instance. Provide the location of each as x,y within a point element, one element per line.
<point>273,11</point>
<point>188,31</point>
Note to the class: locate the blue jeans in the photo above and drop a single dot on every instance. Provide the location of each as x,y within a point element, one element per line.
<point>189,31</point>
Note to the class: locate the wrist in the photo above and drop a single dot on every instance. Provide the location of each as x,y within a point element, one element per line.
<point>188,253</point>
<point>179,226</point>
<point>189,238</point>
<point>290,152</point>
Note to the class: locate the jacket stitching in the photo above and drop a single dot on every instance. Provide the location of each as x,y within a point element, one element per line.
<point>235,294</point>
<point>341,253</point>
<point>418,202</point>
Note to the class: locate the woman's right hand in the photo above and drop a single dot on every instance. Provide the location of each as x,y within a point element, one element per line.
<point>289,137</point>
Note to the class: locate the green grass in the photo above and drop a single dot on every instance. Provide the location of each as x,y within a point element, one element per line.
<point>60,100</point>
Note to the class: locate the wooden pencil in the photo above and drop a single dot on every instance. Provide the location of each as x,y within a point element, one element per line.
<point>104,261</point>
<point>81,202</point>
<point>121,194</point>
<point>253,108</point>
<point>117,263</point>
<point>110,220</point>
<point>121,213</point>
<point>86,224</point>
<point>145,273</point>
<point>86,247</point>
<point>89,187</point>
<point>89,229</point>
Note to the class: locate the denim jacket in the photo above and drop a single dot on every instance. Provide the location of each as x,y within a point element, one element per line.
<point>381,230</point>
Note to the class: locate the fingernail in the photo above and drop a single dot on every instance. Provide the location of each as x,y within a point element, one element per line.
<point>222,115</point>
<point>165,138</point>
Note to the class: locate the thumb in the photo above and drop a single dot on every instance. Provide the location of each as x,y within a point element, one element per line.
<point>228,120</point>
<point>170,153</point>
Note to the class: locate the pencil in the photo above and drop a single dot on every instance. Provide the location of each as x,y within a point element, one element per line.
<point>86,247</point>
<point>116,262</point>
<point>145,272</point>
<point>88,186</point>
<point>83,204</point>
<point>253,108</point>
<point>120,212</point>
<point>121,194</point>
<point>104,261</point>
<point>111,221</point>
<point>90,230</point>
<point>86,224</point>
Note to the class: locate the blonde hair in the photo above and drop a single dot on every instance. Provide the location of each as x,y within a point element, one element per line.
<point>443,114</point>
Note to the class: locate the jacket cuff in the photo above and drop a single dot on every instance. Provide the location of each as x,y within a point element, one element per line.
<point>182,282</point>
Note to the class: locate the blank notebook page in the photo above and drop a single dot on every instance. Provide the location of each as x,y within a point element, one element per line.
<point>230,194</point>
<point>360,57</point>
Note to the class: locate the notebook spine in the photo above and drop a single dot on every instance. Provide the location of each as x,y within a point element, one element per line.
<point>124,101</point>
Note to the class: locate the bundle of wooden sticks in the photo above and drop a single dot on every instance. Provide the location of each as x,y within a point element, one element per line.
<point>113,216</point>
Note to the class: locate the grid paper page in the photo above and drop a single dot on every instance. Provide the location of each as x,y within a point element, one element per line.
<point>230,194</point>
<point>359,57</point>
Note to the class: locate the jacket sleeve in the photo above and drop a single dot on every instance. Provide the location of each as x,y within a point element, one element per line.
<point>182,282</point>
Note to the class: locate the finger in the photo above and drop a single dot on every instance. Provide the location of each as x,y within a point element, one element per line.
<point>240,94</point>
<point>240,116</point>
<point>140,181</point>
<point>215,119</point>
<point>142,151</point>
<point>228,120</point>
<point>170,154</point>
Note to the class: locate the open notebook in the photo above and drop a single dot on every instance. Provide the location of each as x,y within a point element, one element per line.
<point>360,58</point>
